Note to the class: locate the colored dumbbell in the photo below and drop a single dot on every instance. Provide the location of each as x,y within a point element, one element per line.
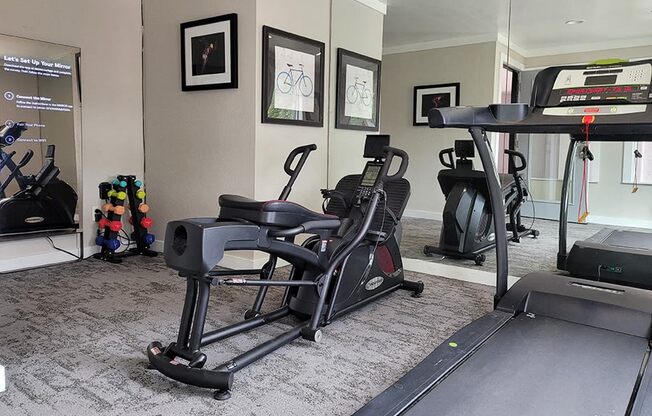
<point>99,240</point>
<point>123,184</point>
<point>115,182</point>
<point>144,208</point>
<point>121,195</point>
<point>110,193</point>
<point>102,223</point>
<point>138,184</point>
<point>112,244</point>
<point>140,194</point>
<point>146,222</point>
<point>115,226</point>
<point>119,209</point>
<point>107,207</point>
<point>149,239</point>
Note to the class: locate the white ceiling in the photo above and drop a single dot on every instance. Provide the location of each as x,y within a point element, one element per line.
<point>537,26</point>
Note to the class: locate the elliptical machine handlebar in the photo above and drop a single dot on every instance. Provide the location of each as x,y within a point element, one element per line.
<point>514,156</point>
<point>390,153</point>
<point>304,151</point>
<point>451,160</point>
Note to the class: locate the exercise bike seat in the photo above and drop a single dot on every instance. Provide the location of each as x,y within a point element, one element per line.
<point>273,213</point>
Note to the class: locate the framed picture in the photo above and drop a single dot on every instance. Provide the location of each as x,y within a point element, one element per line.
<point>357,101</point>
<point>427,97</point>
<point>209,53</point>
<point>293,79</point>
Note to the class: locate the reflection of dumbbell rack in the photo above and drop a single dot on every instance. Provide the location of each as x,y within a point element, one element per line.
<point>125,189</point>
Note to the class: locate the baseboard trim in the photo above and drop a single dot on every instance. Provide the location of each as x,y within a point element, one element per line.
<point>454,272</point>
<point>426,215</point>
<point>2,379</point>
<point>619,222</point>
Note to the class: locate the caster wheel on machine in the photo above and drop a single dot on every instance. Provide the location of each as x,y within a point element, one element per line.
<point>480,259</point>
<point>222,395</point>
<point>313,335</point>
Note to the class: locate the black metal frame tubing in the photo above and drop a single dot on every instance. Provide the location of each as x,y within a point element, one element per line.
<point>562,254</point>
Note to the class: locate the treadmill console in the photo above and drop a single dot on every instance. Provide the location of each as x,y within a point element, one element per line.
<point>368,180</point>
<point>616,89</point>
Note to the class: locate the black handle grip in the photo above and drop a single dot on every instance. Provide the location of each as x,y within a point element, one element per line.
<point>450,163</point>
<point>25,160</point>
<point>304,151</point>
<point>514,156</point>
<point>390,153</point>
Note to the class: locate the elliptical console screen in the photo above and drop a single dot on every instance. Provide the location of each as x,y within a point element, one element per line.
<point>370,175</point>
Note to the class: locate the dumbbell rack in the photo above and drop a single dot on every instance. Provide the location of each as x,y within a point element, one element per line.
<point>124,189</point>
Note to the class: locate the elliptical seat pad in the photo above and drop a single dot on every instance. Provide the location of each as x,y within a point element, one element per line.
<point>271,213</point>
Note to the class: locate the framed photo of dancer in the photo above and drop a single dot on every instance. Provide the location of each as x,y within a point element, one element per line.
<point>427,97</point>
<point>293,79</point>
<point>209,53</point>
<point>358,91</point>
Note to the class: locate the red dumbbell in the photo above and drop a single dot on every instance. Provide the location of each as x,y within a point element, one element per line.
<point>146,222</point>
<point>102,223</point>
<point>115,226</point>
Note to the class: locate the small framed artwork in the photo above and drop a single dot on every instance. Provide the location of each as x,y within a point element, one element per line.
<point>357,101</point>
<point>427,97</point>
<point>209,53</point>
<point>293,79</point>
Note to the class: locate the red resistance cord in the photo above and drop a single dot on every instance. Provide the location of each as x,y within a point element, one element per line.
<point>584,193</point>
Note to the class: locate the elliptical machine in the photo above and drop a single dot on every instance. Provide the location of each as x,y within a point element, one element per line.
<point>43,202</point>
<point>349,262</point>
<point>467,228</point>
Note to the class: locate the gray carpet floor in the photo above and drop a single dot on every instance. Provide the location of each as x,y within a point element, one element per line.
<point>73,340</point>
<point>529,255</point>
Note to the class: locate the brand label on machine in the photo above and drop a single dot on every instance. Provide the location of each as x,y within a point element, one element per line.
<point>34,220</point>
<point>374,283</point>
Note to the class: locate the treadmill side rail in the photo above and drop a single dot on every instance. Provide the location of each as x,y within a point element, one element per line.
<point>435,367</point>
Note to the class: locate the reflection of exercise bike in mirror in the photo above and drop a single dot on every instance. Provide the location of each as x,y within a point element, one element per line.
<point>286,81</point>
<point>42,202</point>
<point>360,91</point>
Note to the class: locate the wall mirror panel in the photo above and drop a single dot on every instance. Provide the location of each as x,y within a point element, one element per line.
<point>434,55</point>
<point>40,116</point>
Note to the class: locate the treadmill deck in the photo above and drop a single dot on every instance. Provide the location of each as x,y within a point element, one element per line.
<point>541,366</point>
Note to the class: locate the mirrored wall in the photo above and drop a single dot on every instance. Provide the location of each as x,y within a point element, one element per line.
<point>438,54</point>
<point>40,117</point>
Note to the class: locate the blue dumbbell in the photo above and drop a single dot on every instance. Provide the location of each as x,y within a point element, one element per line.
<point>99,240</point>
<point>112,244</point>
<point>149,239</point>
<point>123,184</point>
<point>138,183</point>
<point>115,182</point>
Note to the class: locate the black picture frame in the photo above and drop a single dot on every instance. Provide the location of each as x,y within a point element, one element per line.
<point>448,93</point>
<point>304,92</point>
<point>209,53</point>
<point>357,107</point>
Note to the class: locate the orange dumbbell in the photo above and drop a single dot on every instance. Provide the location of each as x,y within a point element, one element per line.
<point>144,208</point>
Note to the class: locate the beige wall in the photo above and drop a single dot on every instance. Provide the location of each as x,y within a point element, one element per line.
<point>274,142</point>
<point>109,35</point>
<point>199,144</point>
<point>473,67</point>
<point>357,28</point>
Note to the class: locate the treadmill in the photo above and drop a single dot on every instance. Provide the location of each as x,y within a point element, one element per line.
<point>555,344</point>
<point>611,255</point>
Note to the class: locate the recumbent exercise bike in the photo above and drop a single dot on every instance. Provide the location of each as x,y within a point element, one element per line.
<point>351,259</point>
<point>467,228</point>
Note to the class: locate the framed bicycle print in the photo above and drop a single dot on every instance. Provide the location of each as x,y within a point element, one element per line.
<point>357,100</point>
<point>209,53</point>
<point>293,79</point>
<point>427,97</point>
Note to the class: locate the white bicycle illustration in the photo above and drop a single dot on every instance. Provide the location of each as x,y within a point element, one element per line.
<point>286,81</point>
<point>359,91</point>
